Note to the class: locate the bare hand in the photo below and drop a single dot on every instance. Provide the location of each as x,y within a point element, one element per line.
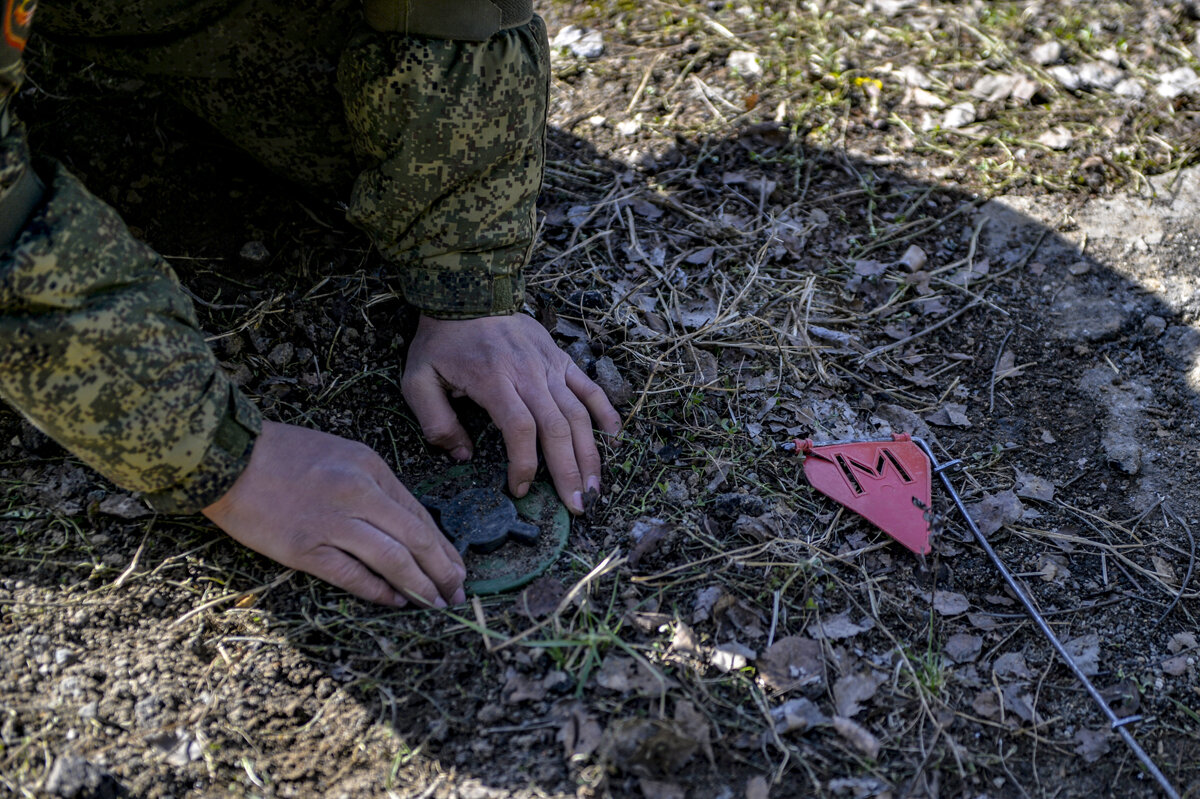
<point>333,508</point>
<point>511,367</point>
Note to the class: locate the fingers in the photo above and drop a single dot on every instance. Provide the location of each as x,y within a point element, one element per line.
<point>519,428</point>
<point>432,551</point>
<point>594,398</point>
<point>574,460</point>
<point>349,574</point>
<point>440,426</point>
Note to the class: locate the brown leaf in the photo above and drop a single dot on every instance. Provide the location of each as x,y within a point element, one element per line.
<point>1085,651</point>
<point>948,603</point>
<point>963,647</point>
<point>647,748</point>
<point>951,414</point>
<point>851,690</point>
<point>994,511</point>
<point>857,736</point>
<point>1010,665</point>
<point>1176,666</point>
<point>797,715</point>
<point>648,536</point>
<point>791,663</point>
<point>580,734</point>
<point>706,600</point>
<point>839,626</point>
<point>625,674</point>
<point>1030,486</point>
<point>744,619</point>
<point>985,704</point>
<point>521,688</point>
<point>1092,744</point>
<point>1181,641</point>
<point>693,724</point>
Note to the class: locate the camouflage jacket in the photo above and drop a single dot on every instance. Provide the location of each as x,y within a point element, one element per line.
<point>442,141</point>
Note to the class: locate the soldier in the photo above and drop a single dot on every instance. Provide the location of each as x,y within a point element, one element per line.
<point>430,117</point>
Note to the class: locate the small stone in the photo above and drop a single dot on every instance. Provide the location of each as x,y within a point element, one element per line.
<point>614,384</point>
<point>255,252</point>
<point>64,657</point>
<point>629,127</point>
<point>74,777</point>
<point>1057,138</point>
<point>1046,53</point>
<point>746,64</point>
<point>1154,326</point>
<point>959,115</point>
<point>1177,82</point>
<point>1131,88</point>
<point>582,42</point>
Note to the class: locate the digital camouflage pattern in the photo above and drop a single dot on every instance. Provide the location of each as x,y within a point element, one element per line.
<point>442,142</point>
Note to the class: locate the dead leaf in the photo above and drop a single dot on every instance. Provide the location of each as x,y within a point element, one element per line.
<point>646,747</point>
<point>1085,650</point>
<point>701,257</point>
<point>996,510</point>
<point>731,656</point>
<point>792,663</point>
<point>1007,366</point>
<point>839,626</point>
<point>757,788</point>
<point>952,414</point>
<point>985,704</point>
<point>1181,641</point>
<point>522,688</point>
<point>706,599</point>
<point>124,506</point>
<point>1176,666</point>
<point>869,268</point>
<point>949,603</point>
<point>1011,664</point>
<point>797,715</point>
<point>982,621</point>
<point>1018,701</point>
<point>964,647</point>
<point>684,641</point>
<point>693,724</point>
<point>1166,572</point>
<point>852,690</point>
<point>648,536</point>
<point>624,674</point>
<point>857,736</point>
<point>580,734</point>
<point>540,597</point>
<point>1092,744</point>
<point>1030,486</point>
<point>744,619</point>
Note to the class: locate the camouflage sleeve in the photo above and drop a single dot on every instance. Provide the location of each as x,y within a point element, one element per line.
<point>99,347</point>
<point>453,137</point>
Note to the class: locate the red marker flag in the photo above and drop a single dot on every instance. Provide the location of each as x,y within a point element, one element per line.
<point>882,481</point>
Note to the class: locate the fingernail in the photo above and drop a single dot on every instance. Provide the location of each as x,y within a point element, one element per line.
<point>462,571</point>
<point>593,483</point>
<point>522,489</point>
<point>401,600</point>
<point>461,454</point>
<point>440,603</point>
<point>577,502</point>
<point>460,597</point>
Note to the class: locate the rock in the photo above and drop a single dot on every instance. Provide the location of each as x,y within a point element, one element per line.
<point>1177,82</point>
<point>746,64</point>
<point>1046,53</point>
<point>1154,326</point>
<point>74,777</point>
<point>1058,138</point>
<point>1122,451</point>
<point>123,506</point>
<point>629,127</point>
<point>64,657</point>
<point>613,383</point>
<point>255,252</point>
<point>1131,88</point>
<point>582,42</point>
<point>959,115</point>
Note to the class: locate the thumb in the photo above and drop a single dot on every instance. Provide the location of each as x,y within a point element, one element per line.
<point>425,395</point>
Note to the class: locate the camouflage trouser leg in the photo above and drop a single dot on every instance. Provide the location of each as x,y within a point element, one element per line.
<point>98,345</point>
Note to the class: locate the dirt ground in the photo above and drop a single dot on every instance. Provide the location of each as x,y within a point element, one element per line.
<point>760,222</point>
